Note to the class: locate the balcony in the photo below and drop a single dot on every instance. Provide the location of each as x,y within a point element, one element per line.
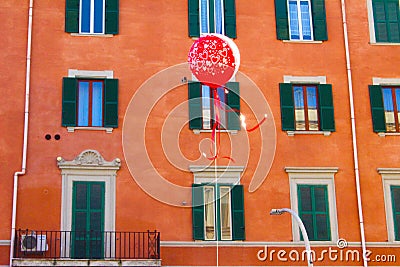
<point>86,248</point>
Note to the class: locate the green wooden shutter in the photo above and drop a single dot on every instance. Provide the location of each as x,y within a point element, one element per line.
<point>111,103</point>
<point>112,16</point>
<point>195,109</point>
<point>230,18</point>
<point>287,106</point>
<point>314,211</point>
<point>381,34</point>
<point>88,220</point>
<point>282,21</point>
<point>72,16</point>
<point>233,102</point>
<point>69,98</point>
<point>395,194</point>
<point>194,18</point>
<point>326,114</point>
<point>393,20</point>
<point>319,20</point>
<point>386,20</point>
<point>238,225</point>
<point>198,211</point>
<point>377,110</point>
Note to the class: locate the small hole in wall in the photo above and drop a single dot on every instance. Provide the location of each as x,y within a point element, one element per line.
<point>57,137</point>
<point>47,136</point>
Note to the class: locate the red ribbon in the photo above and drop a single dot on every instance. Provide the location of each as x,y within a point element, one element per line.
<point>216,138</point>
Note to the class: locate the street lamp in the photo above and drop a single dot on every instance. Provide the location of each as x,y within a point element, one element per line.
<point>302,228</point>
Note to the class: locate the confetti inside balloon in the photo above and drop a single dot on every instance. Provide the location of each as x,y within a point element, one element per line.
<point>214,59</point>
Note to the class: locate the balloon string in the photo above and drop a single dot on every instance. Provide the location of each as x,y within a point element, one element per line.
<point>216,136</point>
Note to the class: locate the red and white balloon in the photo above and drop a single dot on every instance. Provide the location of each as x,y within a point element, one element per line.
<point>214,59</point>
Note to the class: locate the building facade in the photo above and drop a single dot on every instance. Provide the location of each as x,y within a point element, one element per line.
<point>107,153</point>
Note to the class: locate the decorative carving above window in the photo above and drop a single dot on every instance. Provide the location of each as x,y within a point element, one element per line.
<point>89,159</point>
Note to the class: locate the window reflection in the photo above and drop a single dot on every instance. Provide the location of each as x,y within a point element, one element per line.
<point>209,211</point>
<point>300,116</point>
<point>306,108</point>
<point>388,106</point>
<point>225,200</point>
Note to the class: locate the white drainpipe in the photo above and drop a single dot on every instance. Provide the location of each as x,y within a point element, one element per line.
<point>353,133</point>
<point>26,122</point>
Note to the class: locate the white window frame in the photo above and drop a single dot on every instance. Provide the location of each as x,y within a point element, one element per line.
<point>90,74</point>
<point>217,175</point>
<point>390,176</point>
<point>313,176</point>
<point>88,166</point>
<point>91,31</point>
<point>300,21</point>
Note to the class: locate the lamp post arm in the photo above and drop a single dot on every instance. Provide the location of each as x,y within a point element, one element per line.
<point>303,232</point>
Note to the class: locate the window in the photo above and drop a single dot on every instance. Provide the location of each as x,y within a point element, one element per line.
<point>88,192</point>
<point>87,220</point>
<point>212,16</point>
<point>92,16</point>
<point>90,103</point>
<point>395,195</point>
<point>202,113</point>
<point>391,190</point>
<point>314,211</point>
<point>312,196</point>
<point>306,107</point>
<point>385,108</point>
<point>303,20</point>
<point>386,21</point>
<point>218,212</point>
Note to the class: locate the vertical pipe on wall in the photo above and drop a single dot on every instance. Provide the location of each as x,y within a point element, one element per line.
<point>26,123</point>
<point>353,133</point>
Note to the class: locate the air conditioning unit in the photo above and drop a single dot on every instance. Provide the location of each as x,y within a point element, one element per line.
<point>34,243</point>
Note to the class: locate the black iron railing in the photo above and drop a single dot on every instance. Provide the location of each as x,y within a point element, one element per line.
<point>87,244</point>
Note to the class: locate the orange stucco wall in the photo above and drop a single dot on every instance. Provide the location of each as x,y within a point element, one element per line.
<point>153,36</point>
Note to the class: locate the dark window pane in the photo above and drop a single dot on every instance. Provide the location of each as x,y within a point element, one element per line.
<point>80,221</point>
<point>396,198</point>
<point>320,201</point>
<point>308,224</point>
<point>96,196</point>
<point>79,249</point>
<point>80,197</point>
<point>95,221</point>
<point>96,249</point>
<point>322,230</point>
<point>305,198</point>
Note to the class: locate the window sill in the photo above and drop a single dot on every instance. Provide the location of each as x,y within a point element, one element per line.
<point>292,133</point>
<point>92,34</point>
<point>383,43</point>
<point>72,129</point>
<point>302,42</point>
<point>388,134</point>
<point>196,131</point>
